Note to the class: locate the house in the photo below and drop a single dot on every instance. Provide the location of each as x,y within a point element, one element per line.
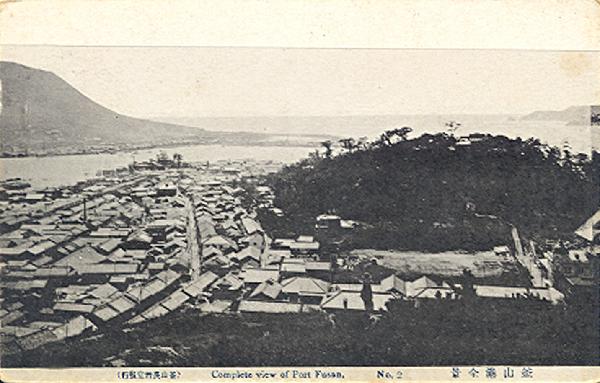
<point>160,228</point>
<point>101,272</point>
<point>103,292</point>
<point>15,251</point>
<point>206,229</point>
<point>211,251</point>
<point>109,246</point>
<point>277,212</point>
<point>173,246</point>
<point>328,222</point>
<point>155,311</point>
<point>292,267</point>
<point>147,290</point>
<point>304,245</point>
<point>318,269</point>
<point>40,248</point>
<point>254,240</point>
<point>304,289</point>
<point>122,304</point>
<point>282,244</point>
<point>195,288</point>
<point>590,229</point>
<point>175,300</point>
<point>305,239</point>
<point>73,308</point>
<point>37,339</point>
<point>34,197</point>
<point>246,255</point>
<point>250,226</point>
<point>227,287</point>
<point>73,327</point>
<point>443,291</point>
<point>392,284</point>
<point>138,240</point>
<point>420,288</point>
<point>251,306</point>
<point>267,290</point>
<point>104,314</point>
<point>107,232</point>
<point>276,256</point>
<point>577,274</point>
<point>83,256</point>
<point>502,251</point>
<point>38,285</point>
<point>155,267</point>
<point>581,290</point>
<point>412,289</point>
<point>168,276</point>
<point>220,242</point>
<point>353,301</point>
<point>166,189</point>
<point>508,292</point>
<point>61,272</point>
<point>41,261</point>
<point>254,277</point>
<point>217,263</point>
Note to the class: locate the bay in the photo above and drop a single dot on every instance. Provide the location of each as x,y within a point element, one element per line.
<point>65,170</point>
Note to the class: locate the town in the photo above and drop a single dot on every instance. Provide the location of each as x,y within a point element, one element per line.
<point>160,236</point>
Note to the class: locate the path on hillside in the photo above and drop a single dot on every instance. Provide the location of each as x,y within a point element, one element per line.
<point>529,262</point>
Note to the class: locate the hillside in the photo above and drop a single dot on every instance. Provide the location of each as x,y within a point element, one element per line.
<point>434,193</point>
<point>42,113</point>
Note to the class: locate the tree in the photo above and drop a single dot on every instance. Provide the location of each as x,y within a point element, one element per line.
<point>362,143</point>
<point>384,139</point>
<point>392,136</point>
<point>452,126</point>
<point>468,291</point>
<point>177,158</point>
<point>348,144</point>
<point>327,145</point>
<point>314,156</point>
<point>401,134</point>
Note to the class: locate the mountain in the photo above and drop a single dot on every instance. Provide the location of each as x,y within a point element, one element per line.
<point>574,115</point>
<point>43,113</point>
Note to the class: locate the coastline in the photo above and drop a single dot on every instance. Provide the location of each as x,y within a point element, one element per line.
<point>95,151</point>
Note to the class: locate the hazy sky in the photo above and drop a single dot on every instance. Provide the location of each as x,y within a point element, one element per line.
<point>195,82</point>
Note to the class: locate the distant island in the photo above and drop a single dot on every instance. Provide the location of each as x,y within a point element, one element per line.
<point>574,115</point>
<point>44,115</point>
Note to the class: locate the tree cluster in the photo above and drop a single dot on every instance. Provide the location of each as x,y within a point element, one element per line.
<point>434,192</point>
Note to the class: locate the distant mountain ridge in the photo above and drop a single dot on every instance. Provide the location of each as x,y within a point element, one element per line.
<point>341,125</point>
<point>574,115</point>
<point>40,111</point>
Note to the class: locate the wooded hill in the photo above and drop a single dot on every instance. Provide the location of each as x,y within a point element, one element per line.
<point>438,192</point>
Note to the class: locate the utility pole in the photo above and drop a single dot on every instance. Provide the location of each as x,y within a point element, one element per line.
<point>84,210</point>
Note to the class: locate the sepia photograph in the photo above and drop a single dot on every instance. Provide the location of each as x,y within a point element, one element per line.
<point>199,206</point>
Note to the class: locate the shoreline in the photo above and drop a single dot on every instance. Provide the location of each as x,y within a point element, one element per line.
<point>165,146</point>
